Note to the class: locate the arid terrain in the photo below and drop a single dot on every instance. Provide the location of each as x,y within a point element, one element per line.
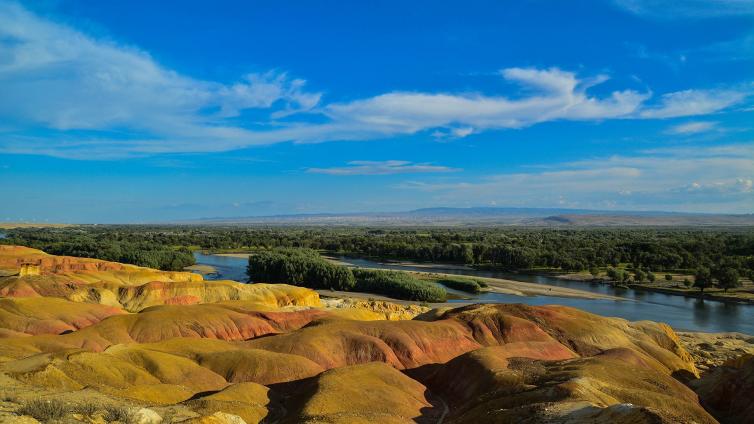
<point>85,340</point>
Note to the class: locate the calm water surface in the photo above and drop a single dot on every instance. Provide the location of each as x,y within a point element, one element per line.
<point>680,312</point>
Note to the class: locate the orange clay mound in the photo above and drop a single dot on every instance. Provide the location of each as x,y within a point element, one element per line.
<point>618,385</point>
<point>367,393</point>
<point>40,315</point>
<point>228,352</point>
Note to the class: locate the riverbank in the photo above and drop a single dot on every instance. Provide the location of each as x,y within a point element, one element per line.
<point>744,294</point>
<point>231,255</point>
<point>201,269</point>
<point>494,285</point>
<point>521,288</point>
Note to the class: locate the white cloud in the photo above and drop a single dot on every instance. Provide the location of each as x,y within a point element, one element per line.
<point>389,167</point>
<point>67,94</point>
<point>60,78</point>
<point>675,9</point>
<point>692,102</point>
<point>713,179</point>
<point>558,95</point>
<point>688,128</point>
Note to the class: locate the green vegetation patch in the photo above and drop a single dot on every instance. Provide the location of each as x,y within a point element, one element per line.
<point>305,267</point>
<point>301,267</point>
<point>397,284</point>
<point>462,284</point>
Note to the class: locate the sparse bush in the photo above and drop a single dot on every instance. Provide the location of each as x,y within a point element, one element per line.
<point>668,277</point>
<point>44,410</point>
<point>86,409</point>
<point>6,397</point>
<point>118,413</point>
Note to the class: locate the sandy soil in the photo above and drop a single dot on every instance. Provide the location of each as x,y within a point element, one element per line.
<point>233,255</point>
<point>12,225</point>
<point>201,269</point>
<point>408,263</point>
<point>431,266</point>
<point>337,294</point>
<point>710,350</point>
<point>520,288</point>
<point>498,285</point>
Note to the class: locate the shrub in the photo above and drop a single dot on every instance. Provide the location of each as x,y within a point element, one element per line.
<point>118,413</point>
<point>44,410</point>
<point>594,271</point>
<point>86,409</point>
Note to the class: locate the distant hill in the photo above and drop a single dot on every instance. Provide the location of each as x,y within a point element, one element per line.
<point>540,217</point>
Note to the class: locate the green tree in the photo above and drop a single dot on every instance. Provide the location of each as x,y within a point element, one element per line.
<point>668,277</point>
<point>639,275</point>
<point>613,273</point>
<point>729,279</point>
<point>594,271</point>
<point>702,278</point>
<point>651,277</point>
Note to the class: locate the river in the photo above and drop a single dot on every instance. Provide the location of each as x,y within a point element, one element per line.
<point>681,313</point>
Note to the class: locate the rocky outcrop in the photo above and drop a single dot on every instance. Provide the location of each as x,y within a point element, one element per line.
<point>727,390</point>
<point>28,270</point>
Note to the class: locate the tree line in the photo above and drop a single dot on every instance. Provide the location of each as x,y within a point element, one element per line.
<point>86,245</point>
<point>506,248</point>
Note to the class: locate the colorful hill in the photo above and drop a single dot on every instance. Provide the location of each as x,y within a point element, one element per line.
<point>86,332</point>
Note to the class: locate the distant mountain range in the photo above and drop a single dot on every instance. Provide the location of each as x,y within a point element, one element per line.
<point>491,216</point>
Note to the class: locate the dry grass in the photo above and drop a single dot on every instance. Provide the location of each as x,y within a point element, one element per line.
<point>119,414</point>
<point>44,410</point>
<point>87,409</point>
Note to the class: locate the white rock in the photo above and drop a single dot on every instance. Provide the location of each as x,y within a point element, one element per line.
<point>146,416</point>
<point>226,418</point>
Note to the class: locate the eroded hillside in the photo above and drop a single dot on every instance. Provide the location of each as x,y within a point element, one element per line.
<point>170,347</point>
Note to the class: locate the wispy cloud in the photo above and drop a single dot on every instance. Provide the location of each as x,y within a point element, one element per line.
<point>691,128</point>
<point>692,103</point>
<point>389,167</point>
<point>67,94</point>
<point>697,9</point>
<point>703,179</point>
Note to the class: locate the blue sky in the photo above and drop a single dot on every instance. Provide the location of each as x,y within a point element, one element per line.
<point>147,111</point>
